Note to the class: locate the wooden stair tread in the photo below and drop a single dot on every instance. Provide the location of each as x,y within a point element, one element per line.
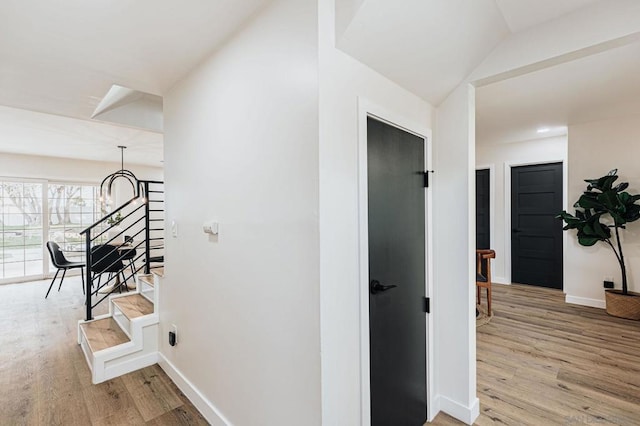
<point>158,271</point>
<point>103,333</point>
<point>134,306</point>
<point>147,279</point>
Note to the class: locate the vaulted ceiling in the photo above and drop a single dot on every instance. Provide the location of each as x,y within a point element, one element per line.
<point>62,57</point>
<point>430,46</point>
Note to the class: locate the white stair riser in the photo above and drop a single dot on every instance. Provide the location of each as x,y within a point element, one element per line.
<point>141,351</point>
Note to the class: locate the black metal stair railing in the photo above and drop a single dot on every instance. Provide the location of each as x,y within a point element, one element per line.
<point>122,252</point>
<point>154,224</point>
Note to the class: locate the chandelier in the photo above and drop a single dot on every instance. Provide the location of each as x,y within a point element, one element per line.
<point>107,184</point>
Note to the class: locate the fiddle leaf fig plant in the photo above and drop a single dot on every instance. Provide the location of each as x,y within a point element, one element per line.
<point>601,211</point>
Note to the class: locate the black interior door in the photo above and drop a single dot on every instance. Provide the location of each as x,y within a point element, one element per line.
<point>536,235</point>
<point>483,228</point>
<point>397,327</point>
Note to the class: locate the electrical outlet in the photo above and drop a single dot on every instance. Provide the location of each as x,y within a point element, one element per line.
<point>173,335</point>
<point>608,284</point>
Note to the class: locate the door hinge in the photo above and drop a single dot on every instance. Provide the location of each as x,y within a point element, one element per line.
<point>427,305</point>
<point>425,175</point>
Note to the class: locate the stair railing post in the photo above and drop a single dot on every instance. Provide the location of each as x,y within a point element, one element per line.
<point>147,232</point>
<point>88,273</point>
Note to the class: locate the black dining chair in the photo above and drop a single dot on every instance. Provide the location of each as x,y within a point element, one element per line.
<point>61,262</point>
<point>106,258</point>
<point>128,253</point>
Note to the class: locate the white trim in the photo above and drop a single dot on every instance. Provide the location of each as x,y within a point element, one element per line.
<point>132,364</point>
<point>467,415</point>
<point>583,301</point>
<point>507,208</point>
<point>209,411</point>
<point>367,109</point>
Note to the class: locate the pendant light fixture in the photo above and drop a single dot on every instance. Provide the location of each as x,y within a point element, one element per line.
<point>107,184</point>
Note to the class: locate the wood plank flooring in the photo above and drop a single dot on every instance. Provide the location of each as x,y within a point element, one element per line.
<point>103,333</point>
<point>540,362</point>
<point>544,362</point>
<point>44,378</point>
<point>134,306</point>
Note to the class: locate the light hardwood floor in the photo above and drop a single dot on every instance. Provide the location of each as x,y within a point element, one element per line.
<point>544,362</point>
<point>540,362</point>
<point>44,378</point>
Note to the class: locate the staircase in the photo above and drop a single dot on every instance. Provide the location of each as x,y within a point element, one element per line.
<point>126,338</point>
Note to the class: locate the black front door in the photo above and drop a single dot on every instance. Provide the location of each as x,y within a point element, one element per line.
<point>536,235</point>
<point>483,213</point>
<point>397,327</point>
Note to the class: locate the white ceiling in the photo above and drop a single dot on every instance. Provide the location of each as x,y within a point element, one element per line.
<point>522,14</point>
<point>61,57</point>
<point>35,133</point>
<point>411,42</point>
<point>596,87</point>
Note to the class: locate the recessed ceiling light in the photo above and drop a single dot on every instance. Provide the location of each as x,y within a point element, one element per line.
<point>543,130</point>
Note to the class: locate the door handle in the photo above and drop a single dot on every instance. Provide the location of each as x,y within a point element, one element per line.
<point>375,287</point>
<point>515,231</point>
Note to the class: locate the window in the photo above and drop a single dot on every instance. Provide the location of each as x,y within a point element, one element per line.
<point>32,213</point>
<point>71,209</point>
<point>21,243</point>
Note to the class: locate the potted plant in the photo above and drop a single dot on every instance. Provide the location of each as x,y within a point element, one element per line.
<point>115,232</point>
<point>115,220</point>
<point>601,212</point>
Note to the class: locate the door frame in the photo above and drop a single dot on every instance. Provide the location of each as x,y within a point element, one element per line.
<point>367,109</point>
<point>508,165</point>
<point>492,199</point>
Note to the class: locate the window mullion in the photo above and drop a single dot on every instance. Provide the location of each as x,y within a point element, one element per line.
<point>45,227</point>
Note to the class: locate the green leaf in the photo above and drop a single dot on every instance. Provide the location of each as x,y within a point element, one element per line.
<point>621,186</point>
<point>589,231</point>
<point>617,219</point>
<point>589,202</point>
<point>602,231</point>
<point>587,241</point>
<point>609,200</point>
<point>633,213</point>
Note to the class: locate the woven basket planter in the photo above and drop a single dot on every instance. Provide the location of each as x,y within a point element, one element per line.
<point>623,306</point>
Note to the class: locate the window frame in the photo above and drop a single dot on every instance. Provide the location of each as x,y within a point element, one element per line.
<point>47,271</point>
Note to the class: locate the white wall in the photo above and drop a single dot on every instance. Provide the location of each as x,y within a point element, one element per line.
<point>454,242</point>
<point>594,149</point>
<point>72,170</point>
<point>241,147</point>
<point>62,169</point>
<point>343,81</point>
<point>499,158</point>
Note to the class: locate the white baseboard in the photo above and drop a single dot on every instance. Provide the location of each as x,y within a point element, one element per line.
<point>206,408</point>
<point>467,415</point>
<point>434,408</point>
<point>594,303</point>
<point>500,280</point>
